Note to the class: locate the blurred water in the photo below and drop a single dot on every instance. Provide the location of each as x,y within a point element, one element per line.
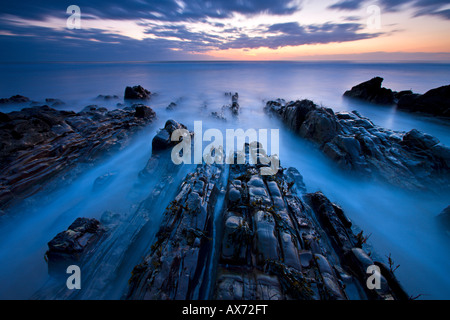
<point>400,223</point>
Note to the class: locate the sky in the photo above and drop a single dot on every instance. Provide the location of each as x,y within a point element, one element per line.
<point>141,30</point>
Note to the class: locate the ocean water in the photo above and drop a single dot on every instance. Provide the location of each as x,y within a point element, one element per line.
<point>400,223</point>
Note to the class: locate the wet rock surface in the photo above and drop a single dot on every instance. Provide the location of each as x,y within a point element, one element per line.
<point>14,99</point>
<point>267,240</point>
<point>162,140</point>
<point>372,91</point>
<point>73,245</point>
<point>39,143</point>
<point>161,153</point>
<point>435,102</point>
<point>137,93</point>
<point>412,160</point>
<point>175,268</point>
<point>103,262</point>
<point>234,108</point>
<point>273,244</point>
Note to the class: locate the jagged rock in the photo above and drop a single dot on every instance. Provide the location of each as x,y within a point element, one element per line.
<point>269,232</point>
<point>174,268</point>
<point>234,107</point>
<point>136,93</point>
<point>73,245</point>
<point>15,99</point>
<point>435,101</point>
<point>40,143</point>
<point>273,245</point>
<point>412,160</point>
<point>162,140</point>
<point>372,91</point>
<point>234,104</point>
<point>143,111</point>
<point>419,140</point>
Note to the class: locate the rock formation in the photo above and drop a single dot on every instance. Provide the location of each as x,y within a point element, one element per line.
<point>411,160</point>
<point>39,143</point>
<point>272,245</point>
<point>435,102</point>
<point>136,93</point>
<point>372,91</point>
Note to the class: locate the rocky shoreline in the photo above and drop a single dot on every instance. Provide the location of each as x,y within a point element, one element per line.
<point>229,232</point>
<point>434,102</point>
<point>273,242</point>
<point>411,160</point>
<point>39,143</point>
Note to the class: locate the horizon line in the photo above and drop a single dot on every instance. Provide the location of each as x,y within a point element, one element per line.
<point>228,61</point>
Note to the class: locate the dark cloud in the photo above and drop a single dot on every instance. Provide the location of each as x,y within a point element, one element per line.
<point>421,7</point>
<point>169,10</point>
<point>347,5</point>
<point>171,37</point>
<point>293,34</point>
<point>172,42</point>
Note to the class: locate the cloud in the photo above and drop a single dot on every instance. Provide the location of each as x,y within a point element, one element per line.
<point>160,30</point>
<point>168,10</point>
<point>294,34</point>
<point>420,7</point>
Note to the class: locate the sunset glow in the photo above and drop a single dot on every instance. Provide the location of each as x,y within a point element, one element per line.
<point>287,30</point>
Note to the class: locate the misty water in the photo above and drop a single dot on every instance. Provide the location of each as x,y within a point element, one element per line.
<point>400,223</point>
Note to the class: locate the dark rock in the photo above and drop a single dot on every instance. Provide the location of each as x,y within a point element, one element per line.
<point>399,95</point>
<point>162,140</point>
<point>90,108</point>
<point>234,107</point>
<point>412,160</point>
<point>182,240</point>
<point>71,246</point>
<point>435,102</point>
<point>372,91</point>
<point>137,93</point>
<point>419,140</point>
<point>40,143</point>
<point>142,111</point>
<point>4,117</point>
<point>15,99</point>
<point>272,244</point>
<point>234,104</point>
